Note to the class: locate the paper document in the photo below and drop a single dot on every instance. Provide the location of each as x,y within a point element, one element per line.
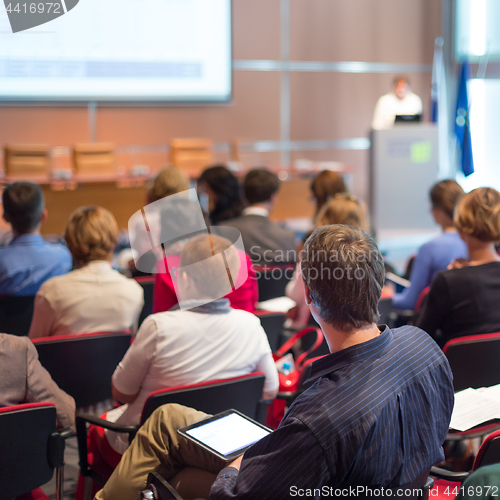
<point>475,406</point>
<point>279,304</point>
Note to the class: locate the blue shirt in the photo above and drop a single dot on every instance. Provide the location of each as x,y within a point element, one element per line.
<point>377,416</point>
<point>433,257</point>
<point>28,261</point>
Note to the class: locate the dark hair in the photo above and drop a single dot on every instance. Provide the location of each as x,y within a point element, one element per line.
<point>23,205</point>
<point>227,190</point>
<point>344,272</point>
<point>259,185</point>
<point>444,196</point>
<point>325,186</point>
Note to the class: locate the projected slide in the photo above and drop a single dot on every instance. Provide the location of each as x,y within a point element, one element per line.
<point>156,50</point>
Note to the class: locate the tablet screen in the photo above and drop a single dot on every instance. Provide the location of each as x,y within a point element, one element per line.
<point>228,434</point>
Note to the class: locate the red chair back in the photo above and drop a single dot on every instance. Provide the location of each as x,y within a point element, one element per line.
<point>489,452</point>
<point>82,365</point>
<point>30,448</point>
<point>421,298</point>
<point>239,393</point>
<point>474,360</point>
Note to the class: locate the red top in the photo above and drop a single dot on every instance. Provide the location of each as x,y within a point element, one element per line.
<point>245,297</point>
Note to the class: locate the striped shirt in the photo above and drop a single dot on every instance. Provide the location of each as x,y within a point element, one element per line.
<point>377,416</point>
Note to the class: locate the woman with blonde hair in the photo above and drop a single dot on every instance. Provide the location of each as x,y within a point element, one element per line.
<point>463,300</point>
<point>93,297</point>
<point>342,208</point>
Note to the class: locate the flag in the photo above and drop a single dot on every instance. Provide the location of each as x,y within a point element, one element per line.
<point>462,124</point>
<point>439,107</point>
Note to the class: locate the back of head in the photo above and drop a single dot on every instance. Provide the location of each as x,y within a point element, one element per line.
<point>260,185</point>
<point>91,234</point>
<point>444,196</point>
<point>168,181</point>
<point>23,205</point>
<point>213,277</point>
<point>326,185</point>
<point>478,215</point>
<point>345,209</point>
<point>344,272</point>
<point>226,188</point>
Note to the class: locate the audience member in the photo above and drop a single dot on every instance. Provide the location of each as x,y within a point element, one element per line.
<point>435,255</point>
<point>464,299</point>
<point>219,193</point>
<point>219,196</point>
<point>376,416</point>
<point>167,182</point>
<point>264,241</point>
<point>28,261</point>
<point>208,342</point>
<point>341,209</point>
<point>24,380</point>
<point>93,297</point>
<point>325,186</point>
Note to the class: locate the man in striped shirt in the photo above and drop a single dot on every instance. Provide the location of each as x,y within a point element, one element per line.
<point>376,417</point>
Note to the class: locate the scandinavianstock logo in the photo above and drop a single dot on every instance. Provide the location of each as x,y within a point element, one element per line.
<point>203,263</point>
<point>26,14</point>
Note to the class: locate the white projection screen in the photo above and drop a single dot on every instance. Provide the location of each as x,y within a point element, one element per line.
<point>117,50</point>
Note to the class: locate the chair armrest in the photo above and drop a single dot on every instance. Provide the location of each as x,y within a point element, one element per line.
<point>448,475</point>
<point>81,434</point>
<point>106,424</point>
<point>67,433</point>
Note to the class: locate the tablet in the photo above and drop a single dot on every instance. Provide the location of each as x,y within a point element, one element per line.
<point>227,435</point>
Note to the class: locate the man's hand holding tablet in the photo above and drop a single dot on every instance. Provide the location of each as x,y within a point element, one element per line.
<point>227,435</point>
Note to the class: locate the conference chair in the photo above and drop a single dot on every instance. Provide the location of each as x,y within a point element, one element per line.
<point>272,323</point>
<point>192,155</point>
<point>94,159</point>
<point>82,365</point>
<point>30,450</point>
<point>242,393</point>
<point>27,160</point>
<point>474,362</point>
<point>147,283</point>
<point>16,313</point>
<point>272,279</point>
<point>488,454</point>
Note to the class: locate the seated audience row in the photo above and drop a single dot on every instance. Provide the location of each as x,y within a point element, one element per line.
<point>376,389</point>
<point>464,299</point>
<point>435,255</point>
<point>179,347</point>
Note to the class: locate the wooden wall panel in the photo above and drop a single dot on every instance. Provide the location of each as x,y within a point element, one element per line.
<point>256,29</point>
<point>391,31</point>
<point>254,114</point>
<point>323,105</point>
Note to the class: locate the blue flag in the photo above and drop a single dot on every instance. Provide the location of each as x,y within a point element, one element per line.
<point>462,124</point>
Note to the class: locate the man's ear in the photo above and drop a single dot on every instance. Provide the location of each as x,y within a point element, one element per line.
<point>307,293</point>
<point>44,215</point>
